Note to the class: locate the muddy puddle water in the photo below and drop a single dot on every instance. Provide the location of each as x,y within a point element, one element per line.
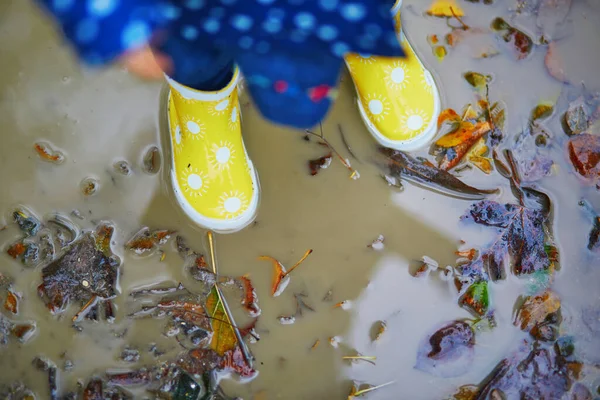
<point>98,118</point>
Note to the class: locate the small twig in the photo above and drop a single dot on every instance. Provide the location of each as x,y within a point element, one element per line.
<point>487,105</point>
<point>346,144</point>
<point>369,359</point>
<point>464,26</point>
<point>85,309</point>
<point>367,390</point>
<point>333,150</point>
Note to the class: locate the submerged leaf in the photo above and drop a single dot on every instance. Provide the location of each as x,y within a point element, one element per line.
<point>448,351</point>
<point>542,111</point>
<point>476,299</point>
<point>402,165</point>
<point>522,240</point>
<point>12,302</point>
<point>250,299</point>
<point>584,152</point>
<point>477,80</point>
<point>450,118</point>
<point>47,153</point>
<point>145,241</point>
<point>537,313</point>
<point>520,43</point>
<point>454,146</point>
<point>224,337</point>
<point>280,275</point>
<point>477,156</point>
<point>81,273</point>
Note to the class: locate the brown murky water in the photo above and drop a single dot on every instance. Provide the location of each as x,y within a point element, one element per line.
<point>98,118</point>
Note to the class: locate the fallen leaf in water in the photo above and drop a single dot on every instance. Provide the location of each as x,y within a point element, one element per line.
<point>86,270</point>
<point>448,352</point>
<point>250,299</point>
<point>320,163</point>
<point>535,373</point>
<point>440,53</point>
<point>16,249</point>
<point>584,152</point>
<point>453,146</point>
<point>378,330</point>
<point>522,239</point>
<point>145,240</point>
<point>554,63</point>
<point>538,313</point>
<point>47,153</point>
<point>402,165</point>
<point>151,161</point>
<point>477,80</point>
<point>450,119</point>
<point>280,275</point>
<point>89,186</point>
<point>466,392</point>
<point>224,336</point>
<point>542,111</point>
<point>476,299</point>
<point>518,41</point>
<point>23,332</point>
<point>477,156</point>
<point>12,302</point>
<point>445,8</point>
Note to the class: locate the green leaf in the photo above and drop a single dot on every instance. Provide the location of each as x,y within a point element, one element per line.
<point>542,111</point>
<point>477,80</point>
<point>476,299</point>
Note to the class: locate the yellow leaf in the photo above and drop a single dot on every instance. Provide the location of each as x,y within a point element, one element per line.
<point>224,337</point>
<point>457,137</point>
<point>444,8</point>
<point>440,52</point>
<point>476,156</point>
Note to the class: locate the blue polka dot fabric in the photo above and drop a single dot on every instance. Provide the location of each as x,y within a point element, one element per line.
<point>290,51</point>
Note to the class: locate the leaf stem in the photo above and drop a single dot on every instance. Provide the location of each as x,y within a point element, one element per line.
<point>306,254</point>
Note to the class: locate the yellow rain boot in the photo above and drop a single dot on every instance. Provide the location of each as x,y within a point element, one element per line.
<point>213,178</point>
<point>397,97</point>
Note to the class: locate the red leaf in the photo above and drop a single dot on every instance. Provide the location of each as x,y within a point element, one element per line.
<point>11,303</point>
<point>250,300</point>
<point>584,152</point>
